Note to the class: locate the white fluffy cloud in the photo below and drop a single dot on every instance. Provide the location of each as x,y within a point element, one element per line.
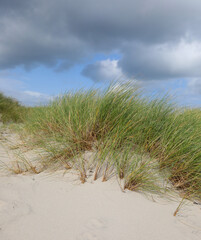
<point>105,70</point>
<point>163,61</point>
<point>17,90</point>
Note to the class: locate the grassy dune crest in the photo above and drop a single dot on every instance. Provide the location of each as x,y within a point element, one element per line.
<point>137,138</point>
<point>10,110</point>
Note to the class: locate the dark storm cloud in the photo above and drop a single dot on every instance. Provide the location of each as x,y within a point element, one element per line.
<point>9,5</point>
<point>148,33</point>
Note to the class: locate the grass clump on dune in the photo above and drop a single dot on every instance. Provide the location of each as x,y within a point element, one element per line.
<point>120,127</point>
<point>10,110</point>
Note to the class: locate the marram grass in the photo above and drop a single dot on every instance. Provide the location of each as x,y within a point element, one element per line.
<point>121,127</point>
<point>10,110</point>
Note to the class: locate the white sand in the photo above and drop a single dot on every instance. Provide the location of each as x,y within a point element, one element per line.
<point>56,207</point>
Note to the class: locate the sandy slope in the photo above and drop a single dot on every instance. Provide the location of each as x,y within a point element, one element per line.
<point>51,207</point>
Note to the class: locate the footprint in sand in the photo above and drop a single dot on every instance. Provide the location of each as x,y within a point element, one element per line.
<point>13,210</point>
<point>87,236</point>
<point>92,226</point>
<point>95,223</point>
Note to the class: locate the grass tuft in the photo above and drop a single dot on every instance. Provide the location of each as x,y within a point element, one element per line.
<point>132,136</point>
<point>10,110</point>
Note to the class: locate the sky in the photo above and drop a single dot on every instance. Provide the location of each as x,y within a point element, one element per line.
<point>49,47</point>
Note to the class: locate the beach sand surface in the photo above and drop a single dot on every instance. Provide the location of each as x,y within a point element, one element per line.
<point>58,207</point>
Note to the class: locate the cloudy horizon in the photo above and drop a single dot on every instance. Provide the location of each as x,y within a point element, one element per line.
<point>48,47</point>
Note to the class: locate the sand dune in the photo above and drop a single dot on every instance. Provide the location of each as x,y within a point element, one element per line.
<point>53,206</point>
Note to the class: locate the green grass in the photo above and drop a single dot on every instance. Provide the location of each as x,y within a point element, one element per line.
<point>136,138</point>
<point>10,110</point>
